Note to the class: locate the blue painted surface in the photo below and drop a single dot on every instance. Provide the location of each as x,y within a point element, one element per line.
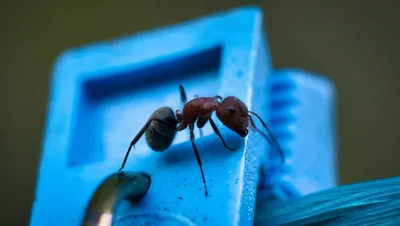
<point>102,94</point>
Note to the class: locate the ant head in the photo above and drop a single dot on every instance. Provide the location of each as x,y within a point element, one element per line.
<point>233,113</point>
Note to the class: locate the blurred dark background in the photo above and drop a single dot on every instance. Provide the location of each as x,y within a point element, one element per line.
<point>354,43</point>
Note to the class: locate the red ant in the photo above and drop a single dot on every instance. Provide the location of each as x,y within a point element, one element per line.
<point>162,126</point>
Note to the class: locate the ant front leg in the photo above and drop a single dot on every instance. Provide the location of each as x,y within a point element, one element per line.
<point>196,152</point>
<point>216,130</point>
<point>139,135</point>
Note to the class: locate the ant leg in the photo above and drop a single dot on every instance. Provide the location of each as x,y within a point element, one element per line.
<point>253,125</point>
<point>200,132</point>
<point>139,135</point>
<point>202,120</point>
<point>196,152</point>
<point>182,125</point>
<point>134,141</point>
<point>215,128</point>
<point>183,94</point>
<point>199,127</point>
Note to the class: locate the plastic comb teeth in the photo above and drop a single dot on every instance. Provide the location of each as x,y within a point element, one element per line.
<point>282,117</point>
<point>302,121</point>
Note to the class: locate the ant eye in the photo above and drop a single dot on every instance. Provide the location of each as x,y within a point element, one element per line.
<point>231,109</point>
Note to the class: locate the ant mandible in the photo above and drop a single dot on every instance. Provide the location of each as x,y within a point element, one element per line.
<point>163,124</point>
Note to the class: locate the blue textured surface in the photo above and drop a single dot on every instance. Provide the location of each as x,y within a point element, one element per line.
<point>366,203</point>
<point>303,107</point>
<point>102,94</point>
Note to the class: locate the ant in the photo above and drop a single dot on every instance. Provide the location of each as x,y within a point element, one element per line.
<point>163,124</point>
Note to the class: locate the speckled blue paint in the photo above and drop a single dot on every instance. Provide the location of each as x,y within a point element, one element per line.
<point>102,94</point>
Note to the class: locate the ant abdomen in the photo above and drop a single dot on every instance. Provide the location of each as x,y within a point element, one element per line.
<point>160,135</point>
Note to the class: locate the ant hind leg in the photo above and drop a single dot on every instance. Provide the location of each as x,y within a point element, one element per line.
<point>139,135</point>
<point>134,141</point>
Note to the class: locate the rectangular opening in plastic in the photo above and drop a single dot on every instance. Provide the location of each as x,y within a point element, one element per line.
<point>114,108</point>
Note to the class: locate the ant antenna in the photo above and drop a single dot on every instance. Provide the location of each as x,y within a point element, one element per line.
<point>269,132</point>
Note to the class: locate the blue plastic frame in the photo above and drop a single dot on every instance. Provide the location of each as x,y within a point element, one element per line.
<point>102,94</point>
<point>87,115</point>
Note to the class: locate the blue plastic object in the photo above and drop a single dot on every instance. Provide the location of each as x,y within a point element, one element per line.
<point>375,202</point>
<point>102,94</point>
<point>303,120</point>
